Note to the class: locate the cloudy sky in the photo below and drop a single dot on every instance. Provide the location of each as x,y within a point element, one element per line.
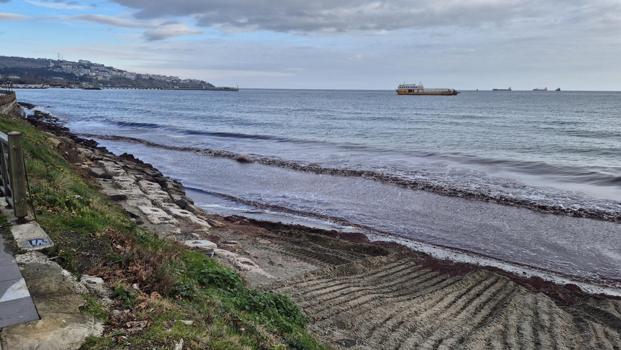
<point>362,44</point>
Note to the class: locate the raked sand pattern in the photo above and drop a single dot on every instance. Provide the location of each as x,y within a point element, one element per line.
<point>394,302</point>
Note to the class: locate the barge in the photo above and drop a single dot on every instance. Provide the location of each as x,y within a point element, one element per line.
<point>420,90</point>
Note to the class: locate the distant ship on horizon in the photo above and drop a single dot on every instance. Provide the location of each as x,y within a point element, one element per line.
<point>507,89</point>
<point>538,89</point>
<point>420,90</point>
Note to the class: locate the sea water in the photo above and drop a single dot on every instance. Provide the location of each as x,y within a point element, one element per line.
<point>477,173</point>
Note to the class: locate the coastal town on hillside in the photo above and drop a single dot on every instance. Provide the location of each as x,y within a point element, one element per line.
<point>19,72</point>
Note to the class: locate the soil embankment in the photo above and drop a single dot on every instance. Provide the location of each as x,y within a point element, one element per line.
<point>358,294</point>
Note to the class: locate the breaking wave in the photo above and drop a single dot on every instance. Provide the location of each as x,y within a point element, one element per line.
<point>564,204</point>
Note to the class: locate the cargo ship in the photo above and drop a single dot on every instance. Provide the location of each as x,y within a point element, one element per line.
<point>420,90</point>
<point>508,89</point>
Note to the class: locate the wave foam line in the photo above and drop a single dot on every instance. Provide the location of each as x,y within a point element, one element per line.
<point>412,184</point>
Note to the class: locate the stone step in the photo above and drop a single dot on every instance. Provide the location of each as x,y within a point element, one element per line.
<point>30,236</point>
<point>16,305</point>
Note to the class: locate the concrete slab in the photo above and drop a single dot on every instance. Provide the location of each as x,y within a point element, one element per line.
<point>63,326</point>
<point>201,244</point>
<point>13,289</point>
<point>125,182</point>
<point>113,192</point>
<point>17,311</point>
<point>149,186</point>
<point>31,237</point>
<point>8,266</point>
<point>8,271</point>
<point>156,215</point>
<point>99,173</point>
<point>241,263</point>
<point>16,306</point>
<point>158,196</point>
<point>176,211</point>
<point>112,168</point>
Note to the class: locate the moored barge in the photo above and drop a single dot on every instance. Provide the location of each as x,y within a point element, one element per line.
<point>420,90</point>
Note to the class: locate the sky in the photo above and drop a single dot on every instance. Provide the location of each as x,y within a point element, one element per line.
<point>340,44</point>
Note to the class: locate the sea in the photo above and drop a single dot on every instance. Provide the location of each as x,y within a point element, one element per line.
<point>525,181</point>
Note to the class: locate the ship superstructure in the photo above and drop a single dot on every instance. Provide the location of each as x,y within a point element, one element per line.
<point>420,90</point>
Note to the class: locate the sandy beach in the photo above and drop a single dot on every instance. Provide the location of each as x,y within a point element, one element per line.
<point>364,295</point>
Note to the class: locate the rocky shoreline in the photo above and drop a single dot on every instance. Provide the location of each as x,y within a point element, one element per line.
<point>151,199</point>
<point>358,294</point>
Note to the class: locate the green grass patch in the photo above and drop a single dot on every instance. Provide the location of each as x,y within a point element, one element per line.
<point>94,307</point>
<point>182,294</point>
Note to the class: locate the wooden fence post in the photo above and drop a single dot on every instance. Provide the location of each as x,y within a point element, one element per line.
<point>18,176</point>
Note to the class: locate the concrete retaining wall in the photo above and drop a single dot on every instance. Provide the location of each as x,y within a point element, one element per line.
<point>8,101</point>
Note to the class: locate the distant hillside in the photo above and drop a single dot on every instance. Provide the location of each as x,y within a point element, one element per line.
<point>20,70</point>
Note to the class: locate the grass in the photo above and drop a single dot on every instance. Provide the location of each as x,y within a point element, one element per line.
<point>94,307</point>
<point>182,294</point>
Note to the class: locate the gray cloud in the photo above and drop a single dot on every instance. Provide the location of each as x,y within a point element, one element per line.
<point>361,15</point>
<point>574,44</point>
<point>113,21</point>
<point>6,16</point>
<point>60,4</point>
<point>154,30</point>
<point>168,30</point>
<point>515,55</point>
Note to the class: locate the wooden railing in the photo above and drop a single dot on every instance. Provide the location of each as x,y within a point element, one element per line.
<point>14,185</point>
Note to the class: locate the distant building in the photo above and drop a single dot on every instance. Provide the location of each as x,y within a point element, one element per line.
<point>68,73</point>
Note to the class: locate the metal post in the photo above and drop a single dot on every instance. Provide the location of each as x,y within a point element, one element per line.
<point>18,175</point>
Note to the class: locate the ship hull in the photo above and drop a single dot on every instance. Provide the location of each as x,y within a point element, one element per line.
<point>427,92</point>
